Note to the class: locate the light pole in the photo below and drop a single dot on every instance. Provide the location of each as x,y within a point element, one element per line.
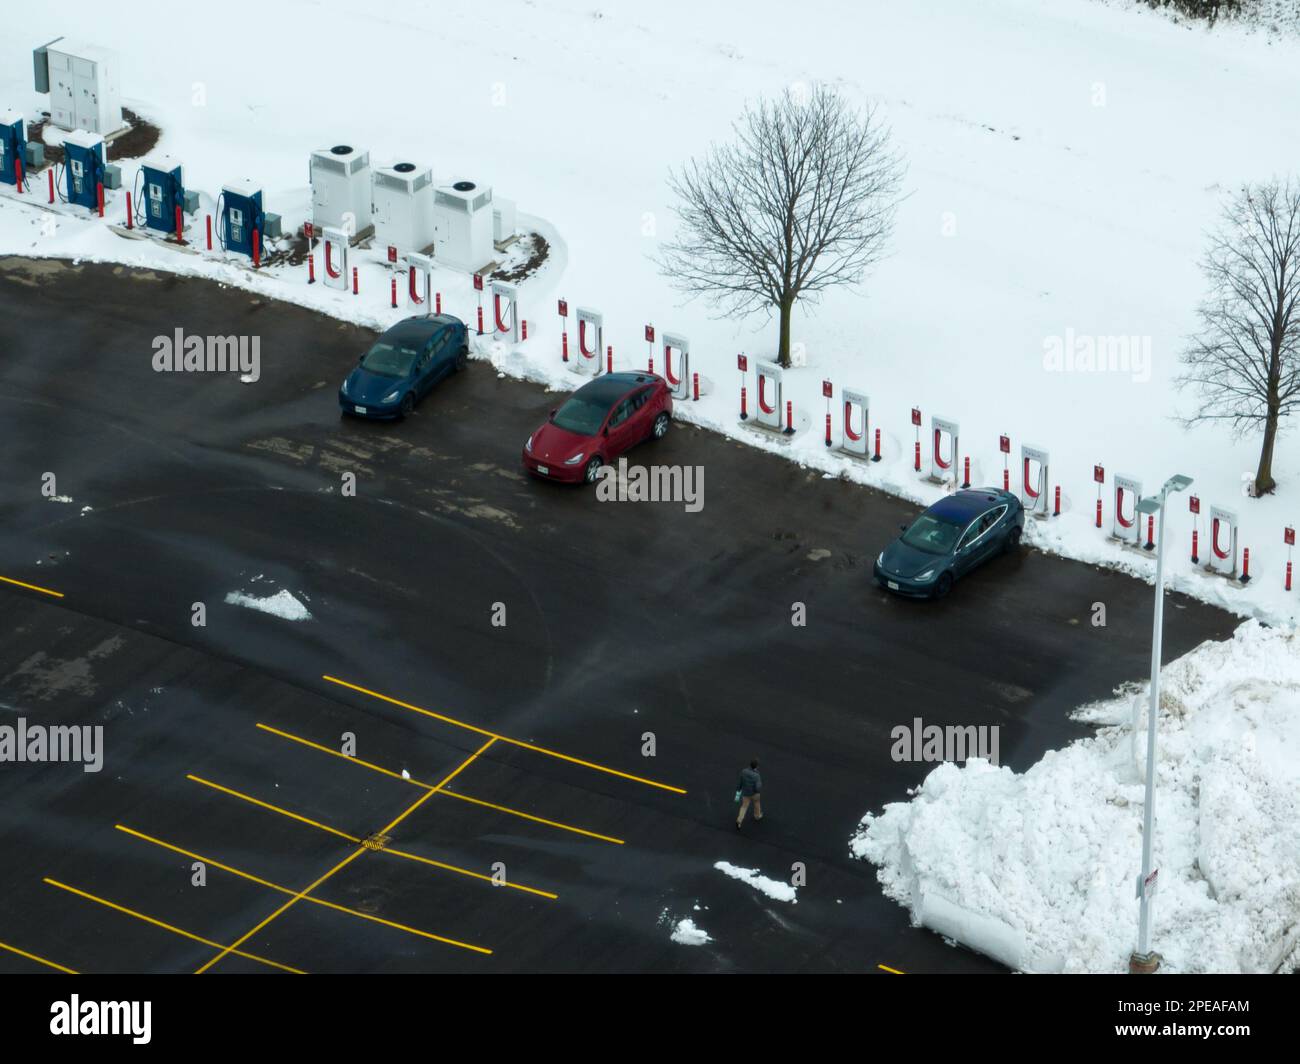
<point>1143,959</point>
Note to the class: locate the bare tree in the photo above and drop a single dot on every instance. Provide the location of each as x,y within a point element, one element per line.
<point>1246,361</point>
<point>803,200</point>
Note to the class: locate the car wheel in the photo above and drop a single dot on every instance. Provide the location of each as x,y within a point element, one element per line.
<point>592,471</point>
<point>462,359</point>
<point>407,405</point>
<point>660,428</point>
<point>1013,541</point>
<point>943,585</point>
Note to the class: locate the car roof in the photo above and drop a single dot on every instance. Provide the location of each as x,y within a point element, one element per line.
<point>609,387</point>
<point>961,506</point>
<point>418,328</point>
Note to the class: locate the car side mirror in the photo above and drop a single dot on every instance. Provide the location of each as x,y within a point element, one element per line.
<point>553,409</point>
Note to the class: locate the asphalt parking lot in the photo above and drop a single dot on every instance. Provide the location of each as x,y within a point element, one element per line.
<point>523,743</point>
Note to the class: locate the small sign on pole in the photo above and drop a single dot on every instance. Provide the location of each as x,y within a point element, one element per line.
<point>742,363</point>
<point>564,308</point>
<point>1099,474</point>
<point>1146,885</point>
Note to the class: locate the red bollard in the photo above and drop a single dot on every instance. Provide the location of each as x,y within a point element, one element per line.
<point>651,366</point>
<point>437,302</point>
<point>1099,514</point>
<point>209,227</point>
<point>180,232</point>
<point>1056,509</point>
<point>789,417</point>
<point>1195,559</point>
<point>257,248</point>
<point>564,347</point>
<point>1245,566</point>
<point>1006,479</point>
<point>744,410</point>
<point>966,470</point>
<point>130,222</point>
<point>918,456</point>
<point>523,328</point>
<point>876,457</point>
<point>311,269</point>
<point>394,279</point>
<point>355,286</point>
<point>50,171</point>
<point>609,358</point>
<point>99,195</point>
<point>695,388</point>
<point>828,430</point>
<point>1288,576</point>
<point>480,319</point>
<point>18,175</point>
<point>1151,533</point>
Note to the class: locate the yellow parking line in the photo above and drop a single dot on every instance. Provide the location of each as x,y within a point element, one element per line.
<point>285,890</point>
<point>445,793</point>
<point>891,971</point>
<point>168,927</point>
<point>505,738</point>
<point>343,864</point>
<point>358,840</point>
<point>33,957</point>
<point>31,587</point>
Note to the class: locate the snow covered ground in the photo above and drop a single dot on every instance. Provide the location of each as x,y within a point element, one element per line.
<point>1064,159</point>
<point>1039,869</point>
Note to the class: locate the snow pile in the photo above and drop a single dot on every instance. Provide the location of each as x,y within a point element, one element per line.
<point>773,888</point>
<point>687,934</point>
<point>281,604</point>
<point>1039,870</point>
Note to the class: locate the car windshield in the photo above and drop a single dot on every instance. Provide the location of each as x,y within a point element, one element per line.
<point>581,414</point>
<point>932,535</point>
<point>390,359</point>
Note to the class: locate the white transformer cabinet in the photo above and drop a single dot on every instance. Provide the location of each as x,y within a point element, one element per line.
<point>83,86</point>
<point>403,201</point>
<point>340,189</point>
<point>463,214</point>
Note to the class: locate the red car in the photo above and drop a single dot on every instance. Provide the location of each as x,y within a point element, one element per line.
<point>597,423</point>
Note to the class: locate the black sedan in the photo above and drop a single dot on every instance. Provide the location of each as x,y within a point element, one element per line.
<point>403,366</point>
<point>954,536</point>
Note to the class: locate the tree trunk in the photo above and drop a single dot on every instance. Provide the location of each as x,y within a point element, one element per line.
<point>783,352</point>
<point>1264,482</point>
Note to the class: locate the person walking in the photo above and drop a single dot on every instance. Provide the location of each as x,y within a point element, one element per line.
<point>749,788</point>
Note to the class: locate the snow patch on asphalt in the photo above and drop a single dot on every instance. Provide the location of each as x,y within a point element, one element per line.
<point>687,934</point>
<point>773,888</point>
<point>282,604</point>
<point>1039,869</point>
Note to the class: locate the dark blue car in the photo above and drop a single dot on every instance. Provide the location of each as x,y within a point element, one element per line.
<point>948,540</point>
<point>403,365</point>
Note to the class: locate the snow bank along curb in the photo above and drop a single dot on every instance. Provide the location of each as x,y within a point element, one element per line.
<point>1038,870</point>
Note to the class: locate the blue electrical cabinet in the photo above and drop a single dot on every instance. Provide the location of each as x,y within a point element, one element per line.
<point>83,167</point>
<point>163,191</point>
<point>13,145</point>
<point>241,213</point>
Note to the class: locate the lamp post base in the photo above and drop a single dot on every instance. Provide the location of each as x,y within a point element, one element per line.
<point>1144,963</point>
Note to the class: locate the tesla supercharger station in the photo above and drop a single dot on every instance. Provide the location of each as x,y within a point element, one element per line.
<point>679,382</point>
<point>160,189</point>
<point>1125,525</point>
<point>942,469</point>
<point>83,167</point>
<point>462,213</point>
<point>1223,541</point>
<point>419,281</point>
<point>768,413</point>
<point>334,249</point>
<point>505,311</point>
<point>341,190</point>
<point>403,207</point>
<point>591,332</point>
<point>1033,480</point>
<point>853,433</point>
